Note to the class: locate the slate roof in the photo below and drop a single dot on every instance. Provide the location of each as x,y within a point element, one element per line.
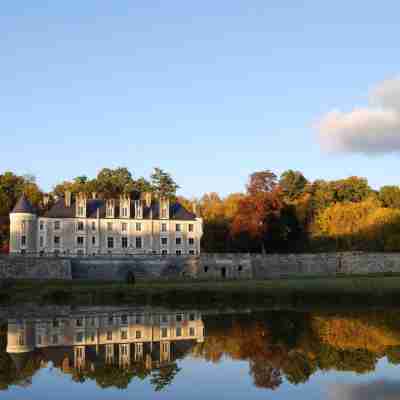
<point>23,206</point>
<point>59,210</point>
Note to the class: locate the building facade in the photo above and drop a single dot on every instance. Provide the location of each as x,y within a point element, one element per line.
<point>78,226</point>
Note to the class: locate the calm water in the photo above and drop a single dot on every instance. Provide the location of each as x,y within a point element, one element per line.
<point>132,352</point>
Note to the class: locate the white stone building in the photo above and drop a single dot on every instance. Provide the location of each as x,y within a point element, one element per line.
<point>78,226</point>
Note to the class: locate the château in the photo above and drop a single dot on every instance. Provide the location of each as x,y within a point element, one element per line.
<point>82,225</point>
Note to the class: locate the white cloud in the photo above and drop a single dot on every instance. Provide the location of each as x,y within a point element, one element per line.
<point>381,389</point>
<point>370,130</point>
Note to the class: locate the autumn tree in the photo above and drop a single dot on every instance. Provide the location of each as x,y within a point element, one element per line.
<point>390,196</point>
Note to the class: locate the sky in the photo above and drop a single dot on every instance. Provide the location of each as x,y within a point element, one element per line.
<point>210,91</point>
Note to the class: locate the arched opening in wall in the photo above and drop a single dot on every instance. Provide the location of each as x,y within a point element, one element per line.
<point>223,272</point>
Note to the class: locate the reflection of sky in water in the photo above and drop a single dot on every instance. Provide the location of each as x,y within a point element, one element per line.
<point>199,379</point>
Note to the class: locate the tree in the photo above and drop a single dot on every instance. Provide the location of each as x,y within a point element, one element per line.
<point>113,182</point>
<point>163,184</point>
<point>261,182</point>
<point>390,196</point>
<point>292,184</point>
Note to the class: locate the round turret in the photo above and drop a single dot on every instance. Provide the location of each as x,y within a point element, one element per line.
<point>23,227</point>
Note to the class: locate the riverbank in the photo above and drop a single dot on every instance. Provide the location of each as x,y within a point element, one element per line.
<point>292,292</point>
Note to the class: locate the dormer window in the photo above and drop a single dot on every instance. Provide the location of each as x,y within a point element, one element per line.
<point>110,209</point>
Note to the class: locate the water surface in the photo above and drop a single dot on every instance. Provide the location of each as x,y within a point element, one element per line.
<point>145,352</point>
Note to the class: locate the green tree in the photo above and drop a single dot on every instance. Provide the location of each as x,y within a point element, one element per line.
<point>163,184</point>
<point>292,183</point>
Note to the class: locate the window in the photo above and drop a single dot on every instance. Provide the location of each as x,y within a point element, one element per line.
<point>79,337</point>
<point>164,227</point>
<point>124,335</point>
<point>164,213</point>
<point>81,211</point>
<point>109,226</point>
<point>94,240</point>
<point>54,339</point>
<point>79,322</point>
<point>41,241</point>
<point>191,331</point>
<point>191,252</point>
<point>124,227</point>
<point>39,339</point>
<point>178,317</point>
<point>138,334</point>
<point>55,323</point>
<point>124,242</point>
<point>23,240</point>
<point>164,252</point>
<point>138,226</point>
<point>124,212</point>
<point>191,317</point>
<point>178,332</point>
<point>178,241</point>
<point>57,225</point>
<point>124,350</point>
<point>138,319</point>
<point>138,242</point>
<point>191,227</point>
<point>110,320</point>
<point>92,337</point>
<point>191,241</point>
<point>178,252</point>
<point>206,268</point>
<point>57,240</point>
<point>164,332</point>
<point>177,227</point>
<point>124,319</point>
<point>79,240</point>
<point>41,225</point>
<point>80,226</point>
<point>80,252</point>
<point>21,340</point>
<point>110,242</point>
<point>23,226</point>
<point>93,226</point>
<point>240,268</point>
<point>164,241</point>
<point>110,209</point>
<point>109,335</point>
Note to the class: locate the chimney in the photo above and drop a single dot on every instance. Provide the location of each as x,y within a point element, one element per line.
<point>147,197</point>
<point>68,196</point>
<point>46,199</point>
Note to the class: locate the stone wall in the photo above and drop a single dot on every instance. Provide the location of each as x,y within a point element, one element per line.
<point>203,267</point>
<point>24,267</point>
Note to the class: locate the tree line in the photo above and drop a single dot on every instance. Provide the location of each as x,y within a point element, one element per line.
<point>286,213</point>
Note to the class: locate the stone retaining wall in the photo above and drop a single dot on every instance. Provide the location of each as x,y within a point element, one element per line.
<point>22,267</point>
<point>204,267</point>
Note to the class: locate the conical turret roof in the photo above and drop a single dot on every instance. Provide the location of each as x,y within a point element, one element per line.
<point>23,206</point>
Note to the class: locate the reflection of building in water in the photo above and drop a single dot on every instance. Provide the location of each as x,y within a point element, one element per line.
<point>84,340</point>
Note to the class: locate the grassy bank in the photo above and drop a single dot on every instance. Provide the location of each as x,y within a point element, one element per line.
<point>295,291</point>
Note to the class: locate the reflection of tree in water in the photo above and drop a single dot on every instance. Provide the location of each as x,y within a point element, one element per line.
<point>163,376</point>
<point>264,374</point>
<point>277,346</point>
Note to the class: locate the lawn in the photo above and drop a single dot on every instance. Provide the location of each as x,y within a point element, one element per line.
<point>292,292</point>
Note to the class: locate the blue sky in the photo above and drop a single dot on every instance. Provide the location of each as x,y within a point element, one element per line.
<point>208,90</point>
